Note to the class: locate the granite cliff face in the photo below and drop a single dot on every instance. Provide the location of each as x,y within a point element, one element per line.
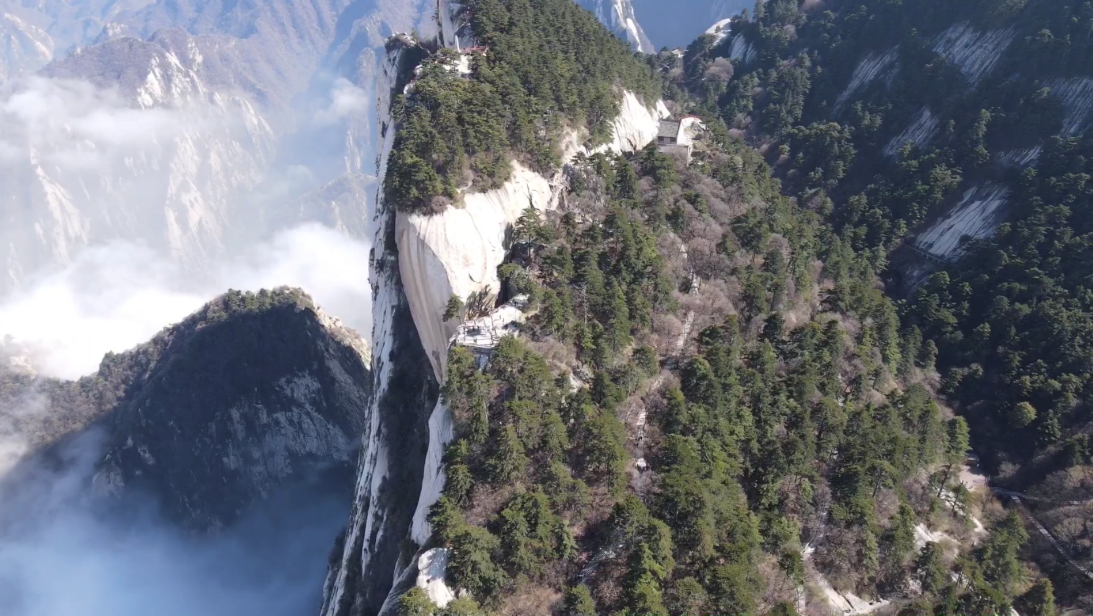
<point>248,397</point>
<point>418,263</point>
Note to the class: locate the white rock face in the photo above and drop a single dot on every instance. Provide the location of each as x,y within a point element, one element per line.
<point>690,127</point>
<point>1019,158</point>
<point>871,67</point>
<point>720,30</point>
<point>1076,96</point>
<point>418,263</point>
<point>432,567</point>
<point>368,514</point>
<point>619,16</point>
<point>458,251</point>
<point>920,132</point>
<point>974,52</point>
<point>481,336</point>
<point>975,217</point>
<point>740,49</point>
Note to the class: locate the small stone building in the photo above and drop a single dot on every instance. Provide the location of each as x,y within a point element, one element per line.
<point>678,136</point>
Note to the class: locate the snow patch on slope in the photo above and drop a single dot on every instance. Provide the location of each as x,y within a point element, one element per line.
<point>920,132</point>
<point>974,52</point>
<point>975,217</point>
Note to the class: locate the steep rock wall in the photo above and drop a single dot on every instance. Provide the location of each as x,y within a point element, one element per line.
<point>1076,95</point>
<point>870,68</point>
<point>418,262</point>
<point>139,143</point>
<point>975,217</point>
<point>373,548</point>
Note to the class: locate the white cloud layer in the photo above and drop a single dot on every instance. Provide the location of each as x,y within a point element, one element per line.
<point>74,124</point>
<point>346,100</point>
<point>58,557</point>
<point>116,296</point>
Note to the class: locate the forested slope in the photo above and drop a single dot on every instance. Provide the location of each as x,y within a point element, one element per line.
<point>709,409</point>
<point>946,140</point>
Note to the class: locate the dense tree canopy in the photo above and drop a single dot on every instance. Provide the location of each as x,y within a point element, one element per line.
<point>541,67</point>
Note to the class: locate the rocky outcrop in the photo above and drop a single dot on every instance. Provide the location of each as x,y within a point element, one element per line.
<point>654,24</point>
<point>920,132</point>
<point>458,251</point>
<point>869,69</point>
<point>25,47</point>
<point>974,217</point>
<point>375,547</point>
<point>252,394</point>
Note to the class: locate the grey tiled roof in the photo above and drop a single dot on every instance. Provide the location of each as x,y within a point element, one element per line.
<point>669,128</point>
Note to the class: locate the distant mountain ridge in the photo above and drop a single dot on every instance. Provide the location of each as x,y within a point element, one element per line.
<point>180,125</point>
<point>650,25</point>
<point>253,393</point>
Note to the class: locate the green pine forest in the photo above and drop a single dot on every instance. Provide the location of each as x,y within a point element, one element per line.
<point>726,381</point>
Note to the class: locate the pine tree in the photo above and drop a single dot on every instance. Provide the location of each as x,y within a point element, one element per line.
<point>473,564</point>
<point>643,580</point>
<point>509,462</point>
<point>454,309</point>
<point>626,181</point>
<point>578,602</point>
<point>930,569</point>
<point>1038,600</point>
<point>617,331</point>
<point>462,606</point>
<point>687,596</point>
<point>416,603</point>
<point>956,448</point>
<point>899,539</point>
<point>998,556</point>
